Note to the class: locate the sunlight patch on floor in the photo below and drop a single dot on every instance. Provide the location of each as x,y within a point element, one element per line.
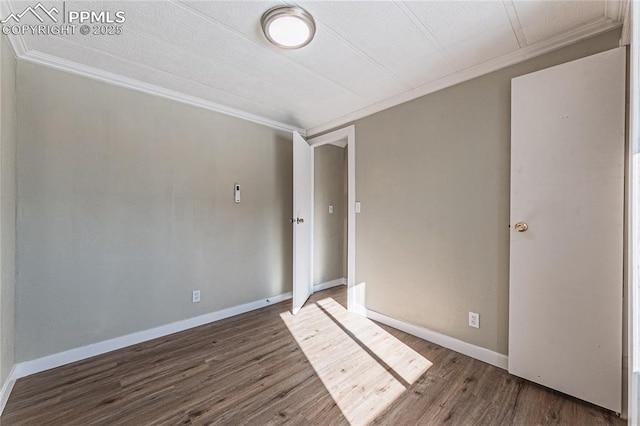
<point>363,367</point>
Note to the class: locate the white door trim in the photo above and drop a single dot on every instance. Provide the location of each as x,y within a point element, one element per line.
<point>338,137</point>
<point>633,222</point>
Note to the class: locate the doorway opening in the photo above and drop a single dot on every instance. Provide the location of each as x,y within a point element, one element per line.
<point>341,139</point>
<point>330,215</point>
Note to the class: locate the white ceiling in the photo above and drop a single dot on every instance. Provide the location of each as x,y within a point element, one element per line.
<point>366,55</point>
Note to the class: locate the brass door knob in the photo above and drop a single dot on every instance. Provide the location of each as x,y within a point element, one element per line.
<point>521,226</point>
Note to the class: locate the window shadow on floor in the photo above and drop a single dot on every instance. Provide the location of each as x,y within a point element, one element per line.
<point>363,367</point>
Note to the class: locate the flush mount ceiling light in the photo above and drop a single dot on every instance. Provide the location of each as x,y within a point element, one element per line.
<point>288,27</point>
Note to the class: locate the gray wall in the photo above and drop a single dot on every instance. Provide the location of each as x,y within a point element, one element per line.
<point>126,205</point>
<point>432,241</point>
<point>8,126</point>
<point>329,228</point>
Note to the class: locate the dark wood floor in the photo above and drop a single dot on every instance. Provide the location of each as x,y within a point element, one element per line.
<point>324,366</point>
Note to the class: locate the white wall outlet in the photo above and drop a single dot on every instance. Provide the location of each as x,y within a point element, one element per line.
<point>357,206</point>
<point>195,296</point>
<point>330,209</point>
<point>474,320</point>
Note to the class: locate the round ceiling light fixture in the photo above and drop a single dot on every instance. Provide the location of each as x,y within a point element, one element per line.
<point>288,27</point>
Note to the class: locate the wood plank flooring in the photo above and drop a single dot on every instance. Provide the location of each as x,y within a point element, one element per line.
<point>324,366</point>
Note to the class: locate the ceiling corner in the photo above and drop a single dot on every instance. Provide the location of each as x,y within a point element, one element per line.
<point>16,41</point>
<point>616,9</point>
<point>625,38</point>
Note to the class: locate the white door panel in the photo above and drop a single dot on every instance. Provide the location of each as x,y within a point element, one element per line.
<point>302,173</point>
<point>567,183</point>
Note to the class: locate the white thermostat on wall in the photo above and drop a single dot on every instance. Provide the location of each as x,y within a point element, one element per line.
<point>236,192</point>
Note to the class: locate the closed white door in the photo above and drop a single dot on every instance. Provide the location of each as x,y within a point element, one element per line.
<point>301,220</point>
<point>567,197</point>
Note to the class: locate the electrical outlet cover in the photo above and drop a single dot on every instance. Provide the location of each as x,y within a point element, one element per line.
<point>474,320</point>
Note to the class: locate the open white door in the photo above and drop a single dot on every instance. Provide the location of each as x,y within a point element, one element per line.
<point>302,173</point>
<point>567,183</point>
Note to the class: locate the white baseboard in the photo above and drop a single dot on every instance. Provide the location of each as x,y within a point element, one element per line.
<point>359,309</point>
<point>7,387</point>
<point>48,362</point>
<point>477,352</point>
<point>329,284</point>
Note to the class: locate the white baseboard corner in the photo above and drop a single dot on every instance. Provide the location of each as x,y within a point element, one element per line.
<point>329,284</point>
<point>7,387</point>
<point>359,309</point>
<point>48,362</point>
<point>490,357</point>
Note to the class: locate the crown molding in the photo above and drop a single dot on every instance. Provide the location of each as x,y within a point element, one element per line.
<point>34,56</point>
<point>625,38</point>
<point>616,12</point>
<point>16,41</point>
<point>40,58</point>
<point>585,31</point>
<point>615,9</point>
<point>51,61</point>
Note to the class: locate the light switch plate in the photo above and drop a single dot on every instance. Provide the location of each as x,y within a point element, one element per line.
<point>236,192</point>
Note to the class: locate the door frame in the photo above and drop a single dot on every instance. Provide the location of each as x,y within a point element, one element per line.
<point>632,274</point>
<point>335,138</point>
